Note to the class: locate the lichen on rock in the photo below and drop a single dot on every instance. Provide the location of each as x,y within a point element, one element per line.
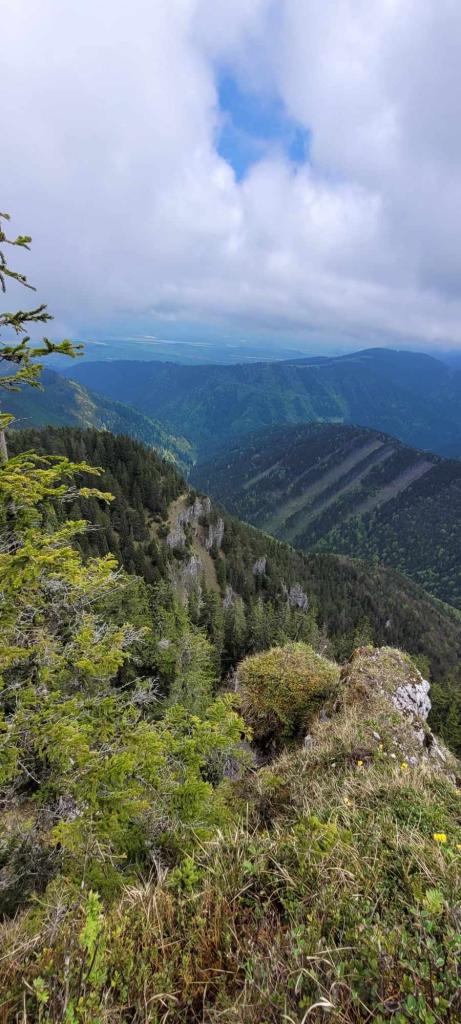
<point>393,673</point>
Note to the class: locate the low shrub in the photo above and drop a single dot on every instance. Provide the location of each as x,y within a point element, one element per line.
<point>280,690</point>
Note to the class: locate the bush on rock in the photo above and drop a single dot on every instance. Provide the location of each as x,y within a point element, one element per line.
<point>281,689</point>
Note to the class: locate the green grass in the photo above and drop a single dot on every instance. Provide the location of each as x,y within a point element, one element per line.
<point>327,898</point>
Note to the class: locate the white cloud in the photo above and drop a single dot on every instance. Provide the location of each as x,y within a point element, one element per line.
<point>109,123</point>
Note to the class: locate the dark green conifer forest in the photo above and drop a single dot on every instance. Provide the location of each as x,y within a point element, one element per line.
<point>348,490</point>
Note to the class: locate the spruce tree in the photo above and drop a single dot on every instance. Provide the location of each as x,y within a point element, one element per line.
<point>18,349</point>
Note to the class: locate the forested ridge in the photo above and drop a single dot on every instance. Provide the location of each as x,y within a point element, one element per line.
<point>221,798</point>
<point>409,395</point>
<point>261,591</point>
<point>331,487</point>
<point>63,402</point>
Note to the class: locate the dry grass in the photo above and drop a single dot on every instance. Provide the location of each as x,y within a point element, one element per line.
<point>315,903</point>
<point>330,901</point>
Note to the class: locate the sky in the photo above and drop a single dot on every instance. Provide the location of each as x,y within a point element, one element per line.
<point>281,169</point>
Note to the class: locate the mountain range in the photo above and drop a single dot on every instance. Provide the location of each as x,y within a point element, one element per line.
<point>411,396</point>
<point>330,487</point>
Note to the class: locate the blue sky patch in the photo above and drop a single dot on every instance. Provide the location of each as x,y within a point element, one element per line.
<point>252,125</point>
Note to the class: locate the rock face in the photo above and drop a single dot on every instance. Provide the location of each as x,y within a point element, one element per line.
<point>413,698</point>
<point>215,534</point>
<point>389,697</point>
<point>192,513</point>
<point>394,675</point>
<point>193,516</point>
<point>297,597</point>
<point>378,719</point>
<point>176,537</point>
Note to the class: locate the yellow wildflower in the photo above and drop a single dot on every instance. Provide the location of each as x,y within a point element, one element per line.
<point>458,846</point>
<point>404,766</point>
<point>440,837</point>
<point>347,801</point>
<point>359,764</point>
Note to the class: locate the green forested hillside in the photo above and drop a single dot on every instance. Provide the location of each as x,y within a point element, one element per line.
<point>244,588</point>
<point>64,402</point>
<point>351,491</point>
<point>168,836</point>
<point>412,396</point>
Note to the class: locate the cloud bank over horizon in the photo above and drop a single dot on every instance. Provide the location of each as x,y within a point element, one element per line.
<point>281,166</point>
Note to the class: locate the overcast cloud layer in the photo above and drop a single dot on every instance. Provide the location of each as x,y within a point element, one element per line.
<point>110,123</point>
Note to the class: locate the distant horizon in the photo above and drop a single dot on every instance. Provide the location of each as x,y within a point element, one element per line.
<point>189,352</point>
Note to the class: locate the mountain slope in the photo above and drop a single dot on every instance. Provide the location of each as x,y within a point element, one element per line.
<point>409,395</point>
<point>348,490</point>
<point>262,591</point>
<point>66,403</point>
<point>331,891</point>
